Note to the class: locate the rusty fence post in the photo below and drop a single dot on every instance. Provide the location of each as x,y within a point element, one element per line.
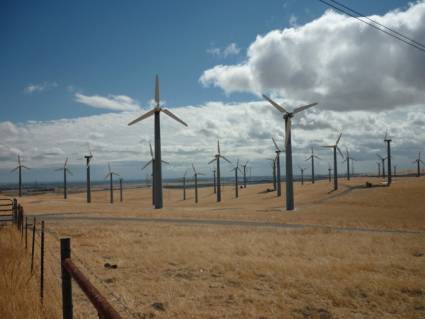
<point>14,211</point>
<point>66,279</point>
<point>33,242</point>
<point>22,221</point>
<point>42,263</point>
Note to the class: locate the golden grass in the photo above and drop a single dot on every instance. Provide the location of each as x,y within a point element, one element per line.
<point>19,291</point>
<point>211,271</point>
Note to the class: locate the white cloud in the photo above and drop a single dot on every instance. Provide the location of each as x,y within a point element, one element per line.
<point>335,60</point>
<point>111,102</point>
<point>231,49</point>
<point>244,129</point>
<point>40,87</point>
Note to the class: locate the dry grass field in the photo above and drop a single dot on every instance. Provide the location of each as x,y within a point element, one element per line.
<point>170,270</point>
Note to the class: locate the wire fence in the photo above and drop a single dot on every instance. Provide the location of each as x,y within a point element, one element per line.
<point>47,265</point>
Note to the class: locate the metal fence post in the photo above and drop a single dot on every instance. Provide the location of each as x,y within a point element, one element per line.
<point>21,213</point>
<point>14,210</point>
<point>66,279</point>
<point>42,263</point>
<point>33,242</point>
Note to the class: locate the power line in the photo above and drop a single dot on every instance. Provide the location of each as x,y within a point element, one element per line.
<point>376,27</point>
<point>380,24</point>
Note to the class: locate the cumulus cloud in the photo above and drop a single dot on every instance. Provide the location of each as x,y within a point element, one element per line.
<point>335,60</point>
<point>40,87</point>
<point>231,49</point>
<point>110,102</point>
<point>244,129</point>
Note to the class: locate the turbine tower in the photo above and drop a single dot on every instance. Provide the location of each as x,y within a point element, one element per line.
<point>347,159</point>
<point>244,173</point>
<point>152,161</point>
<point>418,162</point>
<point>329,172</point>
<point>217,160</point>
<point>388,140</point>
<point>273,160</point>
<point>214,180</point>
<point>19,168</point>
<point>395,171</point>
<point>335,169</point>
<point>184,185</point>
<point>195,174</point>
<point>288,148</point>
<point>65,171</point>
<point>277,164</point>
<point>111,185</point>
<point>236,169</point>
<point>379,168</point>
<point>383,164</point>
<point>157,163</point>
<point>302,169</point>
<point>312,157</point>
<point>88,190</point>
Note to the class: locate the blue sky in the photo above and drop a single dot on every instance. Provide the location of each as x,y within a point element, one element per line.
<point>76,72</point>
<point>116,47</point>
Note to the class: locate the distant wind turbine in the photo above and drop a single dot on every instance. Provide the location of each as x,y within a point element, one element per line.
<point>195,174</point>
<point>277,164</point>
<point>312,157</point>
<point>244,173</point>
<point>383,164</point>
<point>302,169</point>
<point>273,160</point>
<point>88,183</point>
<point>65,170</point>
<point>347,160</point>
<point>157,163</point>
<point>335,168</point>
<point>418,162</point>
<point>184,185</point>
<point>236,169</point>
<point>288,147</point>
<point>19,168</point>
<point>111,174</point>
<point>329,172</point>
<point>388,140</point>
<point>217,161</point>
<point>379,168</point>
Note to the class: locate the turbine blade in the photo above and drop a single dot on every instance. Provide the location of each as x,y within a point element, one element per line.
<point>213,160</point>
<point>146,165</point>
<point>58,169</point>
<point>173,116</point>
<point>302,108</point>
<point>193,167</point>
<point>277,106</point>
<point>19,160</point>
<point>25,167</point>
<point>185,173</point>
<point>380,157</point>
<point>165,162</point>
<point>157,90</point>
<point>327,146</point>
<point>109,167</point>
<point>275,145</point>
<point>150,149</point>
<point>340,152</point>
<point>66,162</point>
<point>144,116</point>
<point>14,169</point>
<point>218,147</point>
<point>225,159</point>
<point>69,171</point>
<point>106,176</point>
<point>339,137</point>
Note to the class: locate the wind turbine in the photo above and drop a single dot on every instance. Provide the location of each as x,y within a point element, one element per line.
<point>418,161</point>
<point>214,181</point>
<point>65,171</point>
<point>273,160</point>
<point>383,164</point>
<point>157,163</point>
<point>184,185</point>
<point>379,168</point>
<point>121,197</point>
<point>217,160</point>
<point>195,174</point>
<point>244,173</point>
<point>312,157</point>
<point>329,172</point>
<point>236,169</point>
<point>277,164</point>
<point>288,148</point>
<point>111,185</point>
<point>88,159</point>
<point>19,168</point>
<point>388,140</point>
<point>152,161</point>
<point>302,169</point>
<point>335,169</point>
<point>395,171</point>
<point>347,159</point>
